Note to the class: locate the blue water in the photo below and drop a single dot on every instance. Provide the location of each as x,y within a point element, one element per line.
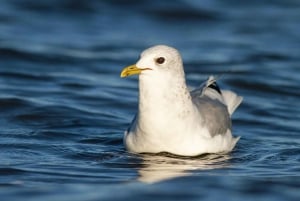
<point>64,107</point>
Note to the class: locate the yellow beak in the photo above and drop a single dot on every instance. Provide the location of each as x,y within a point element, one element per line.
<point>132,70</point>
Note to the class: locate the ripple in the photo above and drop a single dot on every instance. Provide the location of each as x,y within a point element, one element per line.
<point>64,6</point>
<point>11,171</point>
<point>185,14</point>
<point>25,76</point>
<point>9,103</point>
<point>39,54</point>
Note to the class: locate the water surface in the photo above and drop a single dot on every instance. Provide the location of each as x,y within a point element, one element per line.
<point>64,107</point>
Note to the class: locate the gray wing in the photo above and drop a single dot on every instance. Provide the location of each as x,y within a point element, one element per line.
<point>209,101</point>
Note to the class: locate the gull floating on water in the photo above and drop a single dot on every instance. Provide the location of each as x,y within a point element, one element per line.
<point>171,118</point>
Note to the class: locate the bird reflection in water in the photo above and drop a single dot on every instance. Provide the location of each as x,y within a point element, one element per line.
<point>164,166</point>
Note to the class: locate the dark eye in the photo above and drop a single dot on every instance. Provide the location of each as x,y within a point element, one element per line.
<point>160,60</point>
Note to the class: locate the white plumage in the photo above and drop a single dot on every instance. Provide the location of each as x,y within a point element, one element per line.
<point>172,119</point>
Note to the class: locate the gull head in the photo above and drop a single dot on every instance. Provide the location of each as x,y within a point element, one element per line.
<point>157,60</point>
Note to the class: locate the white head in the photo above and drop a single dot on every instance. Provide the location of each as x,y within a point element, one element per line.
<point>159,60</point>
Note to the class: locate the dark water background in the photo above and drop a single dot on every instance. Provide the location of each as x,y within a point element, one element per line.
<point>64,107</point>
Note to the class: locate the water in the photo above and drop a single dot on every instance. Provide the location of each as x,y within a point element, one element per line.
<point>64,107</point>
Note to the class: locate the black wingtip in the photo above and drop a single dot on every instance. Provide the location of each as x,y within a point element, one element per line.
<point>215,87</point>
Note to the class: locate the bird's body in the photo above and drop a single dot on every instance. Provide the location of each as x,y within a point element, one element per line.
<point>172,119</point>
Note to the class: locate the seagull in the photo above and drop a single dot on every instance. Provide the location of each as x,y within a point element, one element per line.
<point>172,119</point>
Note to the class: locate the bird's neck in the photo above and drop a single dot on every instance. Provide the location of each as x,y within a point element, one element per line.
<point>160,102</point>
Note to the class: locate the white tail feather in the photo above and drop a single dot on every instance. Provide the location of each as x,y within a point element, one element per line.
<point>232,100</point>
